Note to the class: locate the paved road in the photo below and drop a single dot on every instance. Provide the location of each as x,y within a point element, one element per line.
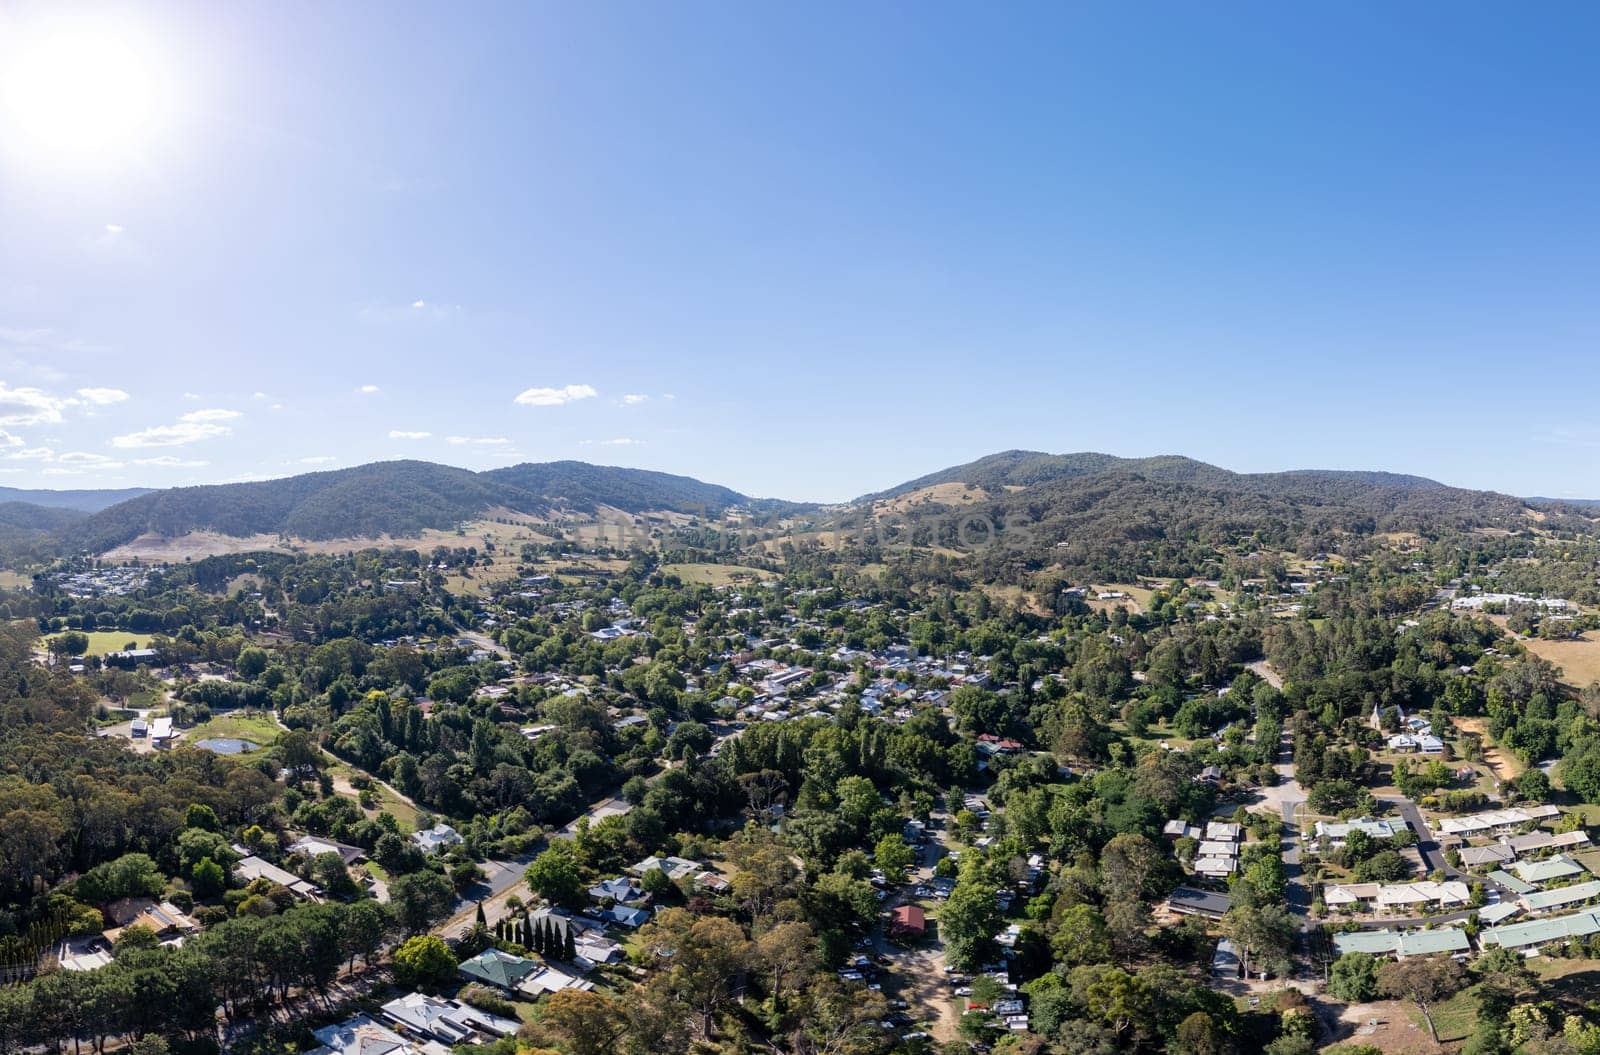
<point>1432,855</point>
<point>504,879</point>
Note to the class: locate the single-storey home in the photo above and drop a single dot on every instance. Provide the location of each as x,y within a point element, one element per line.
<point>361,1035</point>
<point>1334,835</point>
<point>1402,943</point>
<point>1534,933</point>
<point>1189,901</point>
<point>446,1021</point>
<point>316,846</point>
<point>499,969</point>
<point>252,868</point>
<point>440,837</point>
<point>908,921</point>
<point>1547,871</point>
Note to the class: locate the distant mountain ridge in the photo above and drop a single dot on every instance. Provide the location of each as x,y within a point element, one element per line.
<point>85,501</point>
<point>392,498</point>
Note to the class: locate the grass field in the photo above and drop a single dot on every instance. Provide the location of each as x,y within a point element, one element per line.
<point>256,728</point>
<point>14,580</point>
<point>1579,660</point>
<point>103,641</point>
<point>715,574</point>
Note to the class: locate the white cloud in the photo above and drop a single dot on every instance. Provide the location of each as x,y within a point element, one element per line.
<point>29,406</point>
<point>633,399</point>
<point>168,461</point>
<point>211,414</point>
<point>621,441</point>
<point>317,459</point>
<point>477,441</point>
<point>367,390</point>
<point>32,454</point>
<point>171,435</point>
<point>73,463</point>
<point>8,440</point>
<point>259,395</point>
<point>113,228</point>
<point>419,304</point>
<point>102,397</point>
<point>668,395</point>
<point>554,397</point>
<point>402,434</point>
<point>191,396</point>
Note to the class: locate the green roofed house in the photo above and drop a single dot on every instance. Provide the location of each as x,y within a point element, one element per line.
<point>1402,943</point>
<point>1538,932</point>
<point>1560,897</point>
<point>1557,867</point>
<point>499,969</point>
<point>1510,882</point>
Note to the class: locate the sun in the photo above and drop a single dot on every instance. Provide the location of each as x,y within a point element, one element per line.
<point>84,92</point>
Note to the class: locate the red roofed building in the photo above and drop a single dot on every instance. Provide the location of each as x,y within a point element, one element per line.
<point>909,921</point>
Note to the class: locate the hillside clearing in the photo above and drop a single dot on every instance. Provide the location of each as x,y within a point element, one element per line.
<point>103,641</point>
<point>715,574</point>
<point>1579,660</point>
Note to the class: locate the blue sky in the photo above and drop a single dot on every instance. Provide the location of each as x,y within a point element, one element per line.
<point>805,251</point>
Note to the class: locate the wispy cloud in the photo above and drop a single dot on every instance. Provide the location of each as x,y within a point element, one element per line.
<point>554,397</point>
<point>102,397</point>
<point>403,434</point>
<point>211,414</point>
<point>181,434</point>
<point>74,463</point>
<point>316,459</point>
<point>477,441</point>
<point>169,461</point>
<point>620,441</point>
<point>31,454</point>
<point>367,390</point>
<point>633,399</point>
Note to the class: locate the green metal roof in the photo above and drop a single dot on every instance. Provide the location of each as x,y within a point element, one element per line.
<point>1540,931</point>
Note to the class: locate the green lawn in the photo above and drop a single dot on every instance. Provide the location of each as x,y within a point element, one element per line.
<point>103,641</point>
<point>259,729</point>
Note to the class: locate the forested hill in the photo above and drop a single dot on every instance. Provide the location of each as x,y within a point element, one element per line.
<point>1373,493</point>
<point>390,498</point>
<point>579,485</point>
<point>1010,469</point>
<point>1095,515</point>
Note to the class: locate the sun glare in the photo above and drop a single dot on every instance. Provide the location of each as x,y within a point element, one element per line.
<point>85,93</point>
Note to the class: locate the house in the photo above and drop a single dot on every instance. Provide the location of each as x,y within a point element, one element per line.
<point>138,728</point>
<point>548,978</point>
<point>1334,835</point>
<point>1181,830</point>
<point>1499,822</point>
<point>440,837</point>
<point>908,922</point>
<point>252,867</point>
<point>712,883</point>
<point>1402,943</point>
<point>1499,912</point>
<point>1223,831</point>
<point>1397,897</point>
<point>316,846</point>
<point>1561,897</point>
<point>1534,933</point>
<point>675,867</point>
<point>632,918</point>
<point>1547,871</point>
<point>161,732</point>
<point>1486,856</point>
<point>621,890</point>
<point>499,969</point>
<point>594,948</point>
<point>129,658</point>
<point>1189,901</point>
<point>1533,842</point>
<point>360,1035</point>
<point>446,1021</point>
<point>165,920</point>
